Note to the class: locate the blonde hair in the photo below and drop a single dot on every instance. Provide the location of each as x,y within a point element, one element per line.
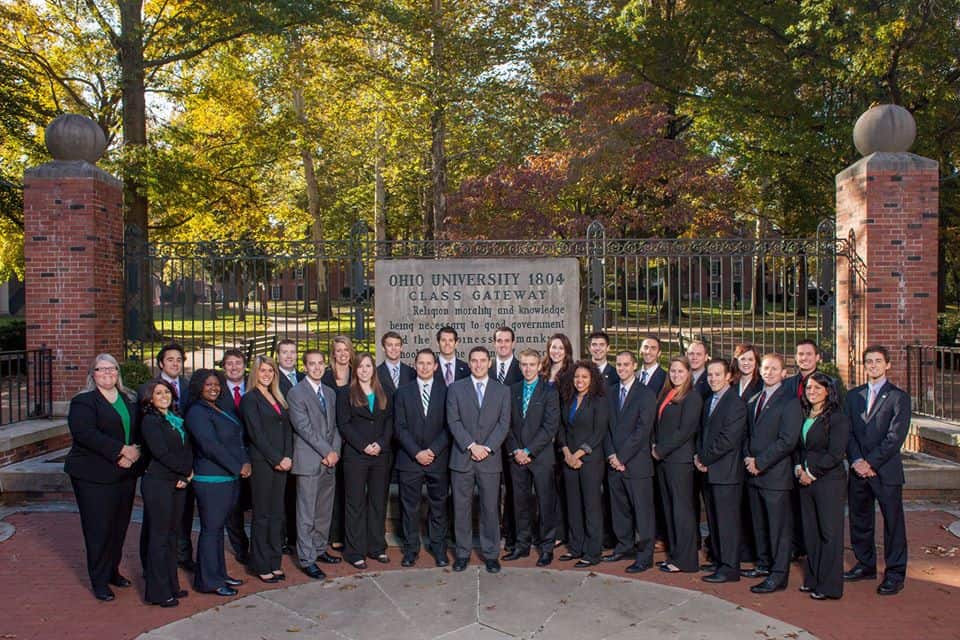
<point>275,385</point>
<point>91,384</point>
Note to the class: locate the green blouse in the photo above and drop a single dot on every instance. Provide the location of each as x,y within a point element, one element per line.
<point>806,427</point>
<point>120,406</point>
<point>371,400</point>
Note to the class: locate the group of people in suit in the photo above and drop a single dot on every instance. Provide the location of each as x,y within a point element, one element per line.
<point>556,450</point>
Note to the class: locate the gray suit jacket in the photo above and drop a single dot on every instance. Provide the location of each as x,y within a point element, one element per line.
<point>487,425</point>
<point>315,433</point>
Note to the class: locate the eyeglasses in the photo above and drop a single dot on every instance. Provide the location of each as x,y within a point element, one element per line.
<point>105,369</point>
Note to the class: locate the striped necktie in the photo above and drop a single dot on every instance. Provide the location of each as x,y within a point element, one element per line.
<point>323,401</point>
<point>425,398</point>
<point>395,374</point>
<point>502,374</point>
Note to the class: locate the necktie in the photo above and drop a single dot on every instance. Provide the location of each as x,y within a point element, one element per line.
<point>801,386</point>
<point>236,396</point>
<point>448,374</point>
<point>176,394</point>
<point>395,374</point>
<point>502,373</point>
<point>527,393</point>
<point>713,403</point>
<point>292,376</point>
<point>760,401</point>
<point>643,377</point>
<point>871,399</point>
<point>623,396</point>
<point>323,401</point>
<point>425,398</point>
<point>480,393</point>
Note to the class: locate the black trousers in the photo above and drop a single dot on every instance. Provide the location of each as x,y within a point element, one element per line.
<point>772,530</point>
<point>561,487</point>
<point>799,547</point>
<point>236,527</point>
<point>723,516</point>
<point>410,485</point>
<point>862,494</point>
<point>185,537</point>
<point>508,519</point>
<point>631,512</point>
<point>215,501</point>
<point>822,507</point>
<point>534,495</point>
<point>365,503</point>
<point>337,532</point>
<point>290,515</point>
<point>162,510</point>
<point>584,510</point>
<point>267,487</point>
<point>104,517</point>
<point>676,488</point>
<point>748,546</point>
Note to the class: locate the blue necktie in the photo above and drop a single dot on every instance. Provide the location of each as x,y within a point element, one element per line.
<point>480,393</point>
<point>643,377</point>
<point>713,404</point>
<point>623,395</point>
<point>323,401</point>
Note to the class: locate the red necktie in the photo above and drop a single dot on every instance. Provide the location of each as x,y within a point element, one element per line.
<point>801,386</point>
<point>236,396</point>
<point>760,401</point>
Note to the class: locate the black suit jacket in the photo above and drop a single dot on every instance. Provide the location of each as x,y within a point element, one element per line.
<point>460,370</point>
<point>610,376</point>
<point>285,384</point>
<point>587,428</point>
<point>331,381</point>
<point>415,432</point>
<point>270,433</point>
<point>537,430</point>
<point>630,433</point>
<point>407,374</point>
<point>171,457</point>
<point>656,381</point>
<point>359,427</point>
<point>97,432</point>
<point>877,437</point>
<point>720,445</point>
<point>702,387</point>
<point>512,375</point>
<point>825,446</point>
<point>771,438</point>
<point>752,389</point>
<point>677,428</point>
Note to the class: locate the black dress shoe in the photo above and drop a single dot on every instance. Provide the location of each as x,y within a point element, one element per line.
<point>567,557</point>
<point>166,604</point>
<point>757,572</point>
<point>460,564</point>
<point>493,566</point>
<point>382,558</point>
<point>768,586</point>
<point>637,567</point>
<point>409,559</point>
<point>183,593</point>
<point>545,559</point>
<point>280,576</point>
<point>441,559</point>
<point>104,594</point>
<point>286,549</point>
<point>119,581</point>
<point>583,563</point>
<point>187,565</point>
<point>516,554</point>
<point>816,595</point>
<point>805,589</point>
<point>326,558</point>
<point>232,582</point>
<point>271,580</point>
<point>359,564</point>
<point>717,578</point>
<point>860,572</point>
<point>314,572</point>
<point>616,556</point>
<point>888,587</point>
<point>710,567</point>
<point>226,592</point>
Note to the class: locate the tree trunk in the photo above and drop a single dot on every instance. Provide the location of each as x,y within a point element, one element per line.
<point>438,128</point>
<point>757,302</point>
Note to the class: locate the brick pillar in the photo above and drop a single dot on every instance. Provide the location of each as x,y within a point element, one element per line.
<point>890,203</point>
<point>73,252</point>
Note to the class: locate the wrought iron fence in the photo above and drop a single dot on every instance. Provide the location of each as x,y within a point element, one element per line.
<point>26,384</point>
<point>933,381</point>
<point>771,292</point>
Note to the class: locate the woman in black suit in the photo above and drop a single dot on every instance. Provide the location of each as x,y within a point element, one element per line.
<point>162,488</point>
<point>678,420</point>
<point>745,379</point>
<point>264,413</point>
<point>818,465</point>
<point>556,370</point>
<point>365,420</point>
<point>219,460</point>
<point>337,376</point>
<point>103,468</point>
<point>585,418</point>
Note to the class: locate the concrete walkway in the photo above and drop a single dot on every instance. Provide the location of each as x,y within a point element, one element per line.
<point>475,605</point>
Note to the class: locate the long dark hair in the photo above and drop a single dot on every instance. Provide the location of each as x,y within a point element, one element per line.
<point>683,389</point>
<point>735,373</point>
<point>146,397</point>
<point>567,356</point>
<point>357,397</point>
<point>831,404</point>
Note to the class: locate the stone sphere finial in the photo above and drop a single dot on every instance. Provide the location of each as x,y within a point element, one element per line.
<point>887,128</point>
<point>75,137</point>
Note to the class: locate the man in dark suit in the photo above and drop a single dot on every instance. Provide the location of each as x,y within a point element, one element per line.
<point>234,370</point>
<point>630,476</point>
<point>774,420</point>
<point>289,378</point>
<point>599,343</point>
<point>478,412</point>
<point>697,356</point>
<point>879,413</point>
<point>391,372</point>
<point>650,373</point>
<point>449,367</point>
<point>535,418</point>
<point>316,452</point>
<point>718,458</point>
<point>423,457</point>
<point>505,369</point>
